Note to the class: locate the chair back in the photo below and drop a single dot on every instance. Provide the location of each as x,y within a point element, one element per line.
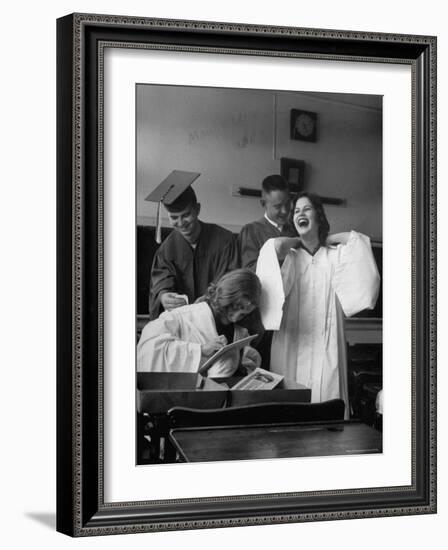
<point>267,413</point>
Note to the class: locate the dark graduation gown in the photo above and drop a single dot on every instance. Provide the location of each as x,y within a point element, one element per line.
<point>177,267</point>
<point>253,236</point>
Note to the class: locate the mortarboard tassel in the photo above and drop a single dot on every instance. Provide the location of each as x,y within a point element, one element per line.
<point>159,224</point>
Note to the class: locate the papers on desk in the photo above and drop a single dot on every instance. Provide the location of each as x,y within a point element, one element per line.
<point>239,344</point>
<point>259,379</point>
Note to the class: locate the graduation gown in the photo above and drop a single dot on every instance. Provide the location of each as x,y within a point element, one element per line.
<point>177,267</point>
<point>318,290</point>
<point>172,343</point>
<point>253,236</point>
<point>250,240</point>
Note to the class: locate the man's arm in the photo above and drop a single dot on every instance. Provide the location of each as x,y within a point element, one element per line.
<point>228,258</point>
<point>249,248</point>
<point>163,281</point>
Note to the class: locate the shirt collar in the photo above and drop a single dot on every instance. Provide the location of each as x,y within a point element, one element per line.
<point>279,227</point>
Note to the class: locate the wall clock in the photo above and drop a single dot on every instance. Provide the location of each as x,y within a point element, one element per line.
<point>303,125</point>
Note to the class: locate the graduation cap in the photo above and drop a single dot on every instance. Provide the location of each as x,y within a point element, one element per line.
<point>175,193</point>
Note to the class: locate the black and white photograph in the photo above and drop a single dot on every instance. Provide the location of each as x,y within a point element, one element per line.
<point>246,285</point>
<point>128,420</point>
<point>259,238</point>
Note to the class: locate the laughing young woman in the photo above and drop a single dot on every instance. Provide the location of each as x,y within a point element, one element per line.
<point>323,278</point>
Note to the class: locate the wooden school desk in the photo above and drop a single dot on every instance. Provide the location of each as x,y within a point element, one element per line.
<point>158,392</point>
<point>275,441</point>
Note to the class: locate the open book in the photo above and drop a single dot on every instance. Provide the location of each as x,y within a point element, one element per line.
<point>259,379</point>
<point>239,344</point>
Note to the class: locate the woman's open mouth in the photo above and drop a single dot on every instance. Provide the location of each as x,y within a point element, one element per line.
<point>303,222</point>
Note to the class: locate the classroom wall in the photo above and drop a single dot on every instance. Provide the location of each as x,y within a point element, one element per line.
<point>346,160</point>
<point>237,137</point>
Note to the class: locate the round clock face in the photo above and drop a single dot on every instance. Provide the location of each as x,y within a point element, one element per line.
<point>304,125</point>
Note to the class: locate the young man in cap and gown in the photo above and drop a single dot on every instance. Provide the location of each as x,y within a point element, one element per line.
<point>193,255</point>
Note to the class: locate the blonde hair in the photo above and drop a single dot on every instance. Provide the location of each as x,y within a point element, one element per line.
<point>232,289</point>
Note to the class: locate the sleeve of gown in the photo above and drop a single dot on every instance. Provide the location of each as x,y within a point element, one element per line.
<point>276,283</point>
<point>248,248</point>
<point>161,350</point>
<point>163,279</point>
<point>356,279</point>
<point>228,258</point>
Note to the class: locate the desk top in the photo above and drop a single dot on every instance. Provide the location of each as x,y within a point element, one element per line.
<point>276,441</point>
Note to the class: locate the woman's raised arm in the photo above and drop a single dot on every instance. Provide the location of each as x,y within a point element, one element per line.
<point>338,238</point>
<point>284,244</point>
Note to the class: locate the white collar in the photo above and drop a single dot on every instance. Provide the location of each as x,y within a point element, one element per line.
<point>276,225</point>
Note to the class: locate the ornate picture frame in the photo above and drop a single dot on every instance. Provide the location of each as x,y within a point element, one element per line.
<point>81,507</point>
<point>303,125</point>
<point>293,170</point>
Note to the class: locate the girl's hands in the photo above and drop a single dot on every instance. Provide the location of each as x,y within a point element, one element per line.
<point>251,359</point>
<point>213,346</point>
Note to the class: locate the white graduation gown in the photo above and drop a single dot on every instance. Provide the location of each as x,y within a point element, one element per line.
<point>309,345</point>
<point>172,343</point>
